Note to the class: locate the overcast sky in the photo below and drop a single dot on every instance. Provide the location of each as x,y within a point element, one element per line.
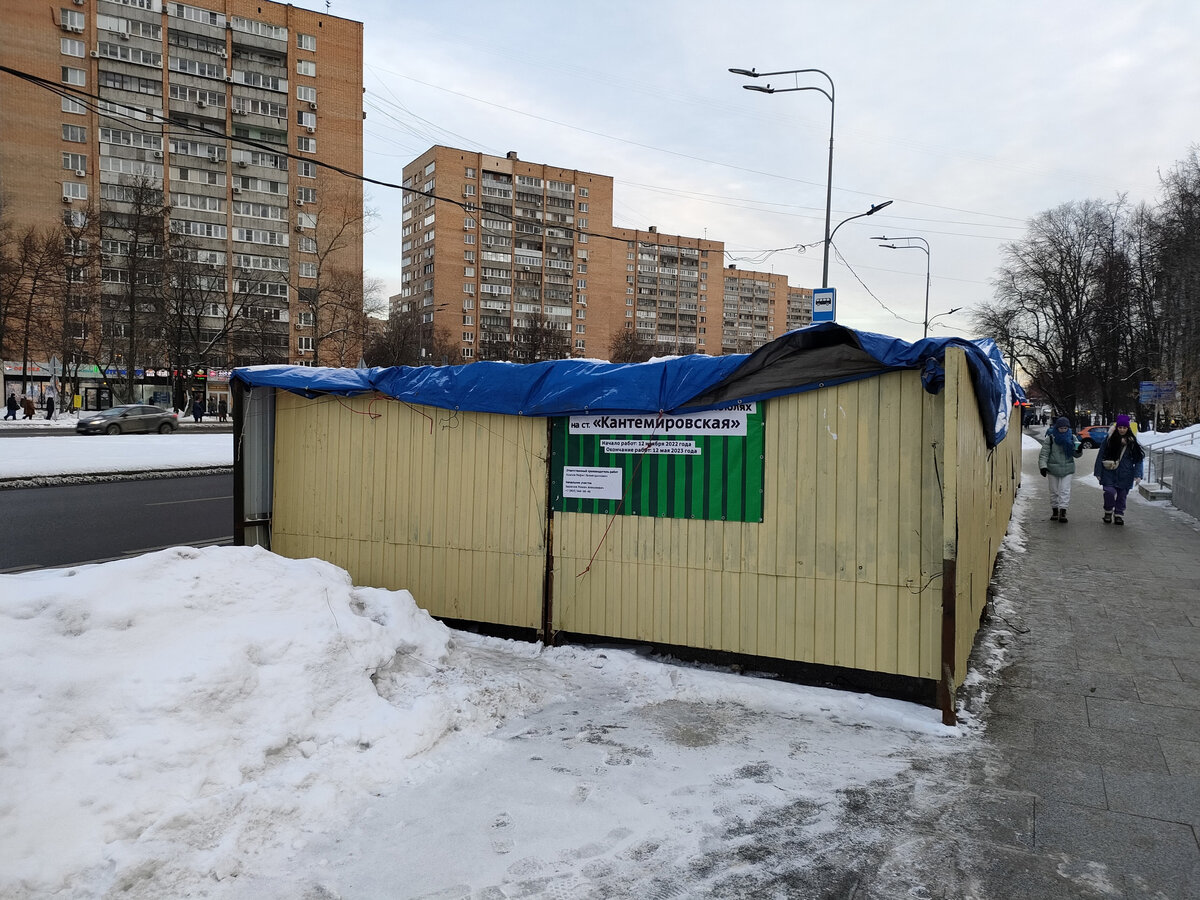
<point>972,117</point>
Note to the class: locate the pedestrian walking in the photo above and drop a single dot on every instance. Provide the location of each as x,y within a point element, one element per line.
<point>1119,466</point>
<point>27,405</point>
<point>12,406</point>
<point>1056,462</point>
<point>50,407</point>
<point>222,410</point>
<point>198,410</point>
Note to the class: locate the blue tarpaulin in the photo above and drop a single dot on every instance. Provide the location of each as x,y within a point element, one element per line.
<point>810,358</point>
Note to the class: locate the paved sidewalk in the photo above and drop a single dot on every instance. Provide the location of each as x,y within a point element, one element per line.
<point>1087,780</point>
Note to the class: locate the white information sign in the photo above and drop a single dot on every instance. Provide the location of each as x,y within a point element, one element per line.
<point>592,482</point>
<point>729,421</point>
<point>662,448</point>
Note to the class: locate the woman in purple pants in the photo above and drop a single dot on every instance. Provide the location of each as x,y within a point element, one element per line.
<point>1118,467</point>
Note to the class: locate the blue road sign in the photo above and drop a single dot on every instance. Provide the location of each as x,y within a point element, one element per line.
<point>824,304</point>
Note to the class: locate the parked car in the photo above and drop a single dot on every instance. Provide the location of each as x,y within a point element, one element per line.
<point>1093,435</point>
<point>129,419</point>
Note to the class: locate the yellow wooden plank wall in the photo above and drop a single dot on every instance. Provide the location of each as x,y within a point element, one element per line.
<point>844,570</point>
<point>985,485</point>
<point>449,506</point>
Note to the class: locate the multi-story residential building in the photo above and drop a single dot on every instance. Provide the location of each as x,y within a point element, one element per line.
<point>185,150</point>
<point>758,307</point>
<point>499,253</point>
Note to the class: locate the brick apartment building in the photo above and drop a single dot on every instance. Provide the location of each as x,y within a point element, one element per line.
<point>494,244</point>
<point>214,116</point>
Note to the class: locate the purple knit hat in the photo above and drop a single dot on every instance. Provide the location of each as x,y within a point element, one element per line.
<point>1123,420</point>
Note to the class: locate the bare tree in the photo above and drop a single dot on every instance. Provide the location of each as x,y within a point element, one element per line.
<point>328,282</point>
<point>133,229</point>
<point>627,346</point>
<point>538,337</point>
<point>1048,294</point>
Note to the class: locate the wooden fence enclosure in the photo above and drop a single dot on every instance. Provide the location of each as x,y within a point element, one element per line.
<point>882,512</point>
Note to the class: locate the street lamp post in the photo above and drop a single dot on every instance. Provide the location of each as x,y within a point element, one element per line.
<point>830,94</point>
<point>926,320</point>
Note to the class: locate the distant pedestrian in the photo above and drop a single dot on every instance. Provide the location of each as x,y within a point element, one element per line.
<point>222,410</point>
<point>49,407</point>
<point>1119,465</point>
<point>1056,462</point>
<point>27,405</point>
<point>198,410</point>
<point>12,406</point>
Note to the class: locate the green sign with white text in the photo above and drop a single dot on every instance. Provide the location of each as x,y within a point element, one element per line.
<point>706,465</point>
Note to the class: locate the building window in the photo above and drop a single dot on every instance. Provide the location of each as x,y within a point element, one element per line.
<point>580,328</point>
<point>73,106</point>
<point>583,207</point>
<point>308,270</point>
<point>306,169</point>
<point>468,288</point>
<point>306,195</point>
<point>306,119</point>
<point>468,223</point>
<point>74,133</point>
<point>581,268</point>
<point>581,284</point>
<point>306,144</point>
<point>306,67</point>
<point>469,256</point>
<point>74,190</point>
<point>307,245</point>
<point>72,47</point>
<point>74,76</point>
<point>306,94</point>
<point>468,337</point>
<point>304,343</point>
<point>468,238</point>
<point>468,352</point>
<point>468,190</point>
<point>71,20</point>
<point>75,161</point>
<point>583,192</point>
<point>306,42</point>
<point>470,173</point>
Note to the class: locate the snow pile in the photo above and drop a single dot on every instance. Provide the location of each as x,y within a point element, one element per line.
<point>151,721</point>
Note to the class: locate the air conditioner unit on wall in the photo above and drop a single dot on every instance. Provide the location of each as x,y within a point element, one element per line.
<point>95,54</point>
<point>312,105</point>
<point>66,199</point>
<point>299,202</point>
<point>80,173</point>
<point>236,189</point>
<point>311,130</point>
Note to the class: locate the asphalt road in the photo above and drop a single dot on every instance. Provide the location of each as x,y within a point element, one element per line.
<point>48,527</point>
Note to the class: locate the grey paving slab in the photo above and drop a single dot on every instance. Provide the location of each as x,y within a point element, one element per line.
<point>1143,718</point>
<point>1053,778</point>
<point>1048,677</point>
<point>1183,757</point>
<point>1100,746</point>
<point>1170,798</point>
<point>1053,706</point>
<point>1159,667</point>
<point>1136,845</point>
<point>1183,694</point>
<point>1188,669</point>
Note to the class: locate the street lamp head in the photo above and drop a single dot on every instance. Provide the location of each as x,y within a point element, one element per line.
<point>889,246</point>
<point>749,73</point>
<point>876,207</point>
<point>762,90</point>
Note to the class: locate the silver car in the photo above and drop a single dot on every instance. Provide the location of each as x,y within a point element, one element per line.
<point>130,419</point>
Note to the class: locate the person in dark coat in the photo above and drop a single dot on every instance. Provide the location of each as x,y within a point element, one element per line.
<point>222,410</point>
<point>12,406</point>
<point>27,405</point>
<point>198,409</point>
<point>1119,465</point>
<point>49,407</point>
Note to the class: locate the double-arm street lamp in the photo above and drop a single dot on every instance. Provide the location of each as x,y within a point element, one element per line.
<point>925,249</point>
<point>829,95</point>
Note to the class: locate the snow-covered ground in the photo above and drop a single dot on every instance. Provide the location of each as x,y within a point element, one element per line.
<point>228,723</point>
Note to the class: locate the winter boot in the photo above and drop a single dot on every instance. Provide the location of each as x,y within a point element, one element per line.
<point>1107,517</point>
<point>1119,520</point>
<point>1054,515</point>
<point>1062,516</point>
